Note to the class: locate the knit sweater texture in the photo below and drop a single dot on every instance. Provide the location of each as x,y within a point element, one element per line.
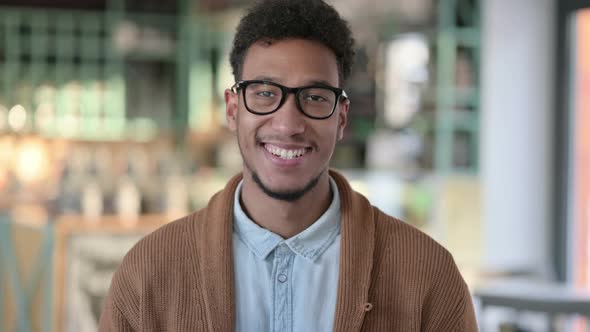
<point>392,277</point>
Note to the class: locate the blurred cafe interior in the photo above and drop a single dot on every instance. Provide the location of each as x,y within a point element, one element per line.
<point>470,120</point>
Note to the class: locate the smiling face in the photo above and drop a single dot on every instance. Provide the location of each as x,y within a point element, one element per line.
<point>286,153</point>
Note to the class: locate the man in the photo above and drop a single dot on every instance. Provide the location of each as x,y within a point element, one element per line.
<point>288,245</point>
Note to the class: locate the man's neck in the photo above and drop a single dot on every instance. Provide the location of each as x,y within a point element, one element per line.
<point>285,218</point>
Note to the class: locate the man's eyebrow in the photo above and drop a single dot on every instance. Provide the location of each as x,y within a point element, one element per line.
<point>319,82</point>
<point>267,78</point>
<point>307,83</point>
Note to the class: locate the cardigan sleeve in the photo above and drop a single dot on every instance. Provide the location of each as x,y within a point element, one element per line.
<point>112,319</point>
<point>449,306</point>
<point>467,321</point>
<point>454,313</point>
<point>121,307</point>
<point>464,319</point>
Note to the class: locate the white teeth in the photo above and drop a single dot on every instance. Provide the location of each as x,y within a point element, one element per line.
<point>284,153</point>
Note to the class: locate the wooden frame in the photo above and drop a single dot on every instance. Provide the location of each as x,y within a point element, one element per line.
<point>80,241</point>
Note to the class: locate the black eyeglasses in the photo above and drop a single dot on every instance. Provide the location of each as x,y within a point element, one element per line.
<point>264,97</point>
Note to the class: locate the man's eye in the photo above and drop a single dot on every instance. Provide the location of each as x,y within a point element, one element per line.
<point>315,98</point>
<point>267,94</point>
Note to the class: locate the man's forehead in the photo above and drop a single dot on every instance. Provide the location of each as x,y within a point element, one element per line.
<point>311,62</point>
<point>280,80</point>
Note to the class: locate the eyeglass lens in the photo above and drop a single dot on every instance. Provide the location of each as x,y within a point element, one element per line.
<point>266,98</point>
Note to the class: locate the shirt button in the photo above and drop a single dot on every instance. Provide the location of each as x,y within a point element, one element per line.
<point>282,278</point>
<point>283,249</point>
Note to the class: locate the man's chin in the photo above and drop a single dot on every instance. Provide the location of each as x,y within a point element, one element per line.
<point>289,194</point>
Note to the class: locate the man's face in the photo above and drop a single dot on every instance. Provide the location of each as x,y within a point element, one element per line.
<point>286,152</point>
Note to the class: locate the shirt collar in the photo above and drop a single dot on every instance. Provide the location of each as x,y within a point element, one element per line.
<point>309,244</point>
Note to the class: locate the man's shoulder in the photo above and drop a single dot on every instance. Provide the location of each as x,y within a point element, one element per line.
<point>158,264</point>
<point>163,247</point>
<point>406,239</point>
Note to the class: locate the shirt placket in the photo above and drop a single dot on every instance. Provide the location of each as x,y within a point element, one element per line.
<point>282,292</point>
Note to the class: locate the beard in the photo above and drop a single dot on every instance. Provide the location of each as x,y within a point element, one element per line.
<point>285,195</point>
<point>290,195</point>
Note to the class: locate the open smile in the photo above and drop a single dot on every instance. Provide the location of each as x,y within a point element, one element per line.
<point>285,154</point>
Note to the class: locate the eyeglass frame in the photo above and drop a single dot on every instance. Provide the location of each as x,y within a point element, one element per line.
<point>242,85</point>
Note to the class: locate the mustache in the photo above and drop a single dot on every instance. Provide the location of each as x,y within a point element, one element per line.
<point>300,139</point>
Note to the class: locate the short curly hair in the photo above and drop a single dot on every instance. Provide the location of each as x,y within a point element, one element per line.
<point>273,20</point>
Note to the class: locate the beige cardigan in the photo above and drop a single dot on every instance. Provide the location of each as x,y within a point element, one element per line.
<point>392,277</point>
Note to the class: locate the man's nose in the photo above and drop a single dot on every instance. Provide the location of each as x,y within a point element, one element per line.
<point>288,119</point>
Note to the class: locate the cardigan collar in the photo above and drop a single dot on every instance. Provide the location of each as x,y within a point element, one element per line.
<point>212,257</point>
<point>309,244</point>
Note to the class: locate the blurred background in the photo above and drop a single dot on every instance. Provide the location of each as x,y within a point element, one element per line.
<point>469,119</point>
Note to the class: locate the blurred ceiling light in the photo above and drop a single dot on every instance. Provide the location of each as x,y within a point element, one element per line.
<point>409,54</point>
<point>70,125</point>
<point>17,117</point>
<point>406,70</point>
<point>44,115</point>
<point>73,94</point>
<point>45,92</point>
<point>31,161</point>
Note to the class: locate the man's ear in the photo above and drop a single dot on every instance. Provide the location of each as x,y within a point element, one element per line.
<point>343,118</point>
<point>231,109</point>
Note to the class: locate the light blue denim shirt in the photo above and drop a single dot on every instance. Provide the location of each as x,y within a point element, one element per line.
<point>286,285</point>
